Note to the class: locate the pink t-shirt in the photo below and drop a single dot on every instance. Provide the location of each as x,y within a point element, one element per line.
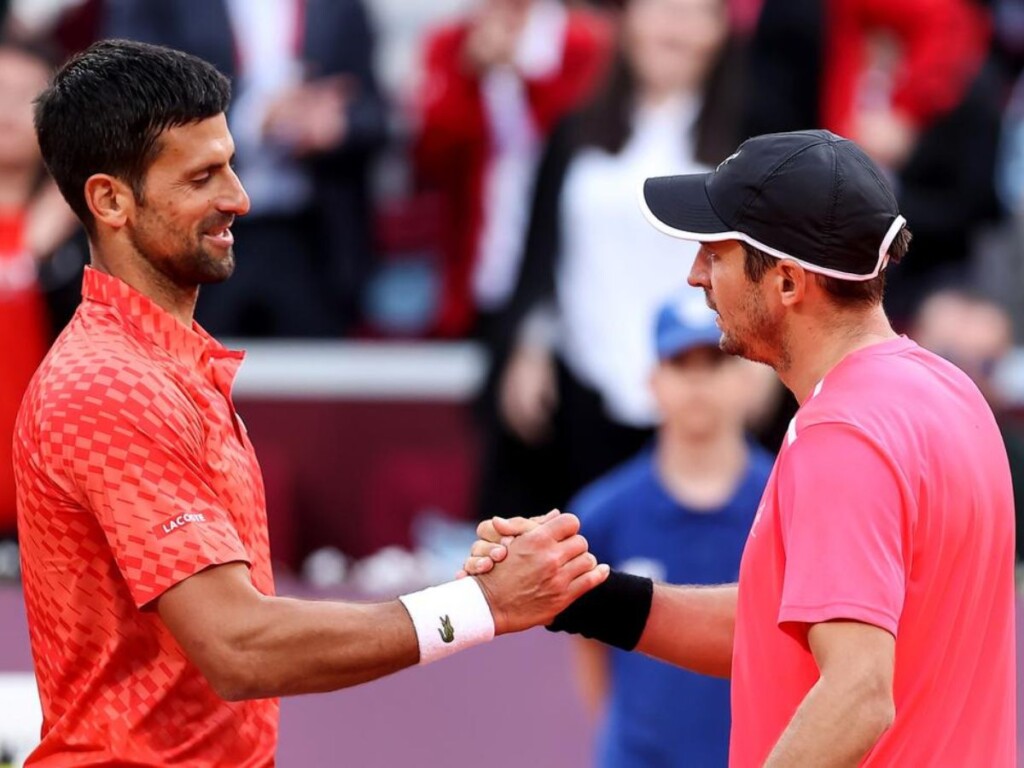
<point>890,503</point>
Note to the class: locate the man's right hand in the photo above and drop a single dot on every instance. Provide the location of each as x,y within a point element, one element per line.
<point>545,568</point>
<point>494,536</point>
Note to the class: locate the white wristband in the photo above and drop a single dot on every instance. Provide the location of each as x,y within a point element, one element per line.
<point>449,618</point>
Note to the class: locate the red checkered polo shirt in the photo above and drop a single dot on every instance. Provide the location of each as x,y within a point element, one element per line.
<point>134,473</point>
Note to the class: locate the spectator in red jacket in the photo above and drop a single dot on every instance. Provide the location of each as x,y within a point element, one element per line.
<point>808,58</point>
<point>909,81</point>
<point>32,224</point>
<point>942,45</point>
<point>495,85</point>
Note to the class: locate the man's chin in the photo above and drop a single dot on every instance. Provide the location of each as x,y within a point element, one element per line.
<point>736,348</point>
<point>217,270</point>
<point>731,346</point>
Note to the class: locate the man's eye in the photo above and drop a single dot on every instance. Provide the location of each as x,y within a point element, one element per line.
<point>200,180</point>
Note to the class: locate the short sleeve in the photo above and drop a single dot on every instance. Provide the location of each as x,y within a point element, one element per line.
<point>129,448</point>
<point>844,516</point>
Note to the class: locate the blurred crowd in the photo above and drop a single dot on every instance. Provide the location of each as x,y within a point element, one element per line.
<point>468,169</point>
<point>409,157</point>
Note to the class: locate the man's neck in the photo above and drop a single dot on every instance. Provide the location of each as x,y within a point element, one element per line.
<point>701,473</point>
<point>814,353</point>
<point>140,275</point>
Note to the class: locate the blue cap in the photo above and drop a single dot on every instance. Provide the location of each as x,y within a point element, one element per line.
<point>684,323</point>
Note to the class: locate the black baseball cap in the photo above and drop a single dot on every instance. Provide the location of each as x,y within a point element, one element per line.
<point>810,196</point>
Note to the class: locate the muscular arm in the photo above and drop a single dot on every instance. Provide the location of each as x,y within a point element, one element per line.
<point>851,705</point>
<point>692,627</point>
<point>248,645</point>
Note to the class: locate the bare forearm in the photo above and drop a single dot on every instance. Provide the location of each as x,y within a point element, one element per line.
<point>832,729</point>
<point>692,627</point>
<point>248,645</point>
<point>300,646</point>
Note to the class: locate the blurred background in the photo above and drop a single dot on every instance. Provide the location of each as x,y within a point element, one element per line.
<point>448,297</point>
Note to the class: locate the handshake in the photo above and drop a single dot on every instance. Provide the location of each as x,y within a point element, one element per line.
<point>523,573</point>
<point>530,570</point>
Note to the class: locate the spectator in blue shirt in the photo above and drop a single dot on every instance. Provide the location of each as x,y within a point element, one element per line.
<point>678,512</point>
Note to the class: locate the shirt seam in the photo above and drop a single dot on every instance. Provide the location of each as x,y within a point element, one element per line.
<point>796,614</point>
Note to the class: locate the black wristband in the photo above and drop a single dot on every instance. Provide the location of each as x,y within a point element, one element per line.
<point>614,613</point>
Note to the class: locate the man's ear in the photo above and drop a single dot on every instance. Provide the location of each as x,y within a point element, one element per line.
<point>110,200</point>
<point>791,280</point>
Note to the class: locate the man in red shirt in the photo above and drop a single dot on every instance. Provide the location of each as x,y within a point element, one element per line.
<point>873,622</point>
<point>23,73</point>
<point>156,635</point>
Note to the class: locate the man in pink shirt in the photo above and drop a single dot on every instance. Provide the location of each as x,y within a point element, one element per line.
<point>873,622</point>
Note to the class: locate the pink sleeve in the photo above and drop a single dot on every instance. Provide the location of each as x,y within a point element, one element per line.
<point>844,513</point>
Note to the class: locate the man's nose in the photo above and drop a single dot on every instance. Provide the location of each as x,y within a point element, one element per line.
<point>698,277</point>
<point>236,200</point>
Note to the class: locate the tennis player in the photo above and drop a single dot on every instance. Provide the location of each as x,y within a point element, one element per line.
<point>873,621</point>
<point>156,635</point>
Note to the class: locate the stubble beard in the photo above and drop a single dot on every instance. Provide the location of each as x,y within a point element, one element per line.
<point>761,339</point>
<point>199,267</point>
<point>186,264</point>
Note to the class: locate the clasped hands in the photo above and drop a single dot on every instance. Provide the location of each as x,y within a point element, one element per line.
<point>531,569</point>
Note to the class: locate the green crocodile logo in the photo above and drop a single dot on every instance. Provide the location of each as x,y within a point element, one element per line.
<point>447,631</point>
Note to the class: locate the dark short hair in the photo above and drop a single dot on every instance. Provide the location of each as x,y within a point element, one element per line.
<point>106,108</point>
<point>845,293</point>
